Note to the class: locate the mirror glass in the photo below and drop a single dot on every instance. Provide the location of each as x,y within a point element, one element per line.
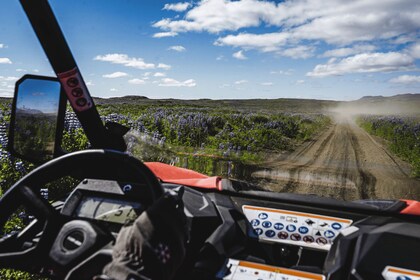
<point>35,122</point>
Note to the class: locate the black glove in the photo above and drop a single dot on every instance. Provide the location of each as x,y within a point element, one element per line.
<point>153,247</point>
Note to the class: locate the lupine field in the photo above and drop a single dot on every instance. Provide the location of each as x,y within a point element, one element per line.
<point>402,135</point>
<point>176,133</point>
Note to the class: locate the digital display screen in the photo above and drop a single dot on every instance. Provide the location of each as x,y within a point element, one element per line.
<point>108,209</point>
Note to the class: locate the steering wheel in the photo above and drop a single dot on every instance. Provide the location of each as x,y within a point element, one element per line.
<point>33,249</point>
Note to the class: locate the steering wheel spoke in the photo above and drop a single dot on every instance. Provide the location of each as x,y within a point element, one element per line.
<point>38,206</point>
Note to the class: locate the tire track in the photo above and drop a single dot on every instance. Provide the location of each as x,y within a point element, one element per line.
<point>343,162</point>
<point>294,172</point>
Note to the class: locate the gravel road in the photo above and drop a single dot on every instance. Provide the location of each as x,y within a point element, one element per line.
<point>344,162</point>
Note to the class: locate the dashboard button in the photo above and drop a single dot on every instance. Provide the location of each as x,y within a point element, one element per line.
<point>403,277</point>
<point>321,241</point>
<point>255,222</point>
<point>329,234</point>
<point>270,233</point>
<point>295,237</point>
<point>303,230</point>
<point>263,216</point>
<point>308,239</point>
<point>278,226</point>
<point>290,228</point>
<point>258,231</point>
<point>266,224</point>
<point>282,235</point>
<point>336,226</point>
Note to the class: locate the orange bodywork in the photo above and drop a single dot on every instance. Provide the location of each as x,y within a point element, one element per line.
<point>413,207</point>
<point>182,176</point>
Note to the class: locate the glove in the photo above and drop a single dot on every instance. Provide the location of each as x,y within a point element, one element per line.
<point>153,247</point>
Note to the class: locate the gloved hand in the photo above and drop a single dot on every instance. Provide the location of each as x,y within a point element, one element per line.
<point>153,247</point>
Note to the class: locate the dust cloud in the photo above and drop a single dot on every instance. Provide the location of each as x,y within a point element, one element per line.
<point>399,105</point>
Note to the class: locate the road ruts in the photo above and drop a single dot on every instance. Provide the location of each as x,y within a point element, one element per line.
<point>344,162</point>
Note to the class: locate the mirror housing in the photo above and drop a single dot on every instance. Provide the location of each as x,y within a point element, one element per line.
<point>37,119</point>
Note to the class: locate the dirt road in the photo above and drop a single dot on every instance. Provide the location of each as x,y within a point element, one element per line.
<point>344,162</point>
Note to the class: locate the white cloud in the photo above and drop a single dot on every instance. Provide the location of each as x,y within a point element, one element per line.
<point>177,48</point>
<point>267,42</point>
<point>164,66</point>
<point>90,83</point>
<point>125,60</point>
<point>177,7</point>
<point>335,22</point>
<point>113,89</point>
<point>219,15</point>
<point>220,57</point>
<point>343,52</point>
<point>364,63</point>
<point>283,72</point>
<point>159,74</point>
<point>8,78</point>
<point>298,52</point>
<point>404,39</point>
<point>2,46</point>
<point>115,75</point>
<point>414,50</point>
<point>267,84</point>
<point>6,93</point>
<point>169,82</point>
<point>165,34</point>
<point>137,81</point>
<point>239,55</point>
<point>5,60</point>
<point>300,82</point>
<point>21,70</point>
<point>241,82</point>
<point>406,79</point>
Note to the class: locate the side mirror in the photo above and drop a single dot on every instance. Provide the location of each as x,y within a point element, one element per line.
<point>37,120</point>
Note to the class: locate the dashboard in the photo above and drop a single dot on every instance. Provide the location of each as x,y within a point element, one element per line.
<point>271,236</point>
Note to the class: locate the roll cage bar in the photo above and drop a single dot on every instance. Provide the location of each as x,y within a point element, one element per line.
<point>49,34</point>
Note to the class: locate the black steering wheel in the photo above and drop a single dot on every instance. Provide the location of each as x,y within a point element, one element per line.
<point>32,249</point>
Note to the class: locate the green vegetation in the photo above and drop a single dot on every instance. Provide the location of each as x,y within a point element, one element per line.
<point>35,134</point>
<point>401,134</point>
<point>222,129</point>
<point>201,136</point>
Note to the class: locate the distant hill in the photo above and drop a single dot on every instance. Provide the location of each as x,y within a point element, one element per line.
<point>281,104</point>
<point>29,111</point>
<point>405,97</point>
<point>123,99</point>
<point>408,103</point>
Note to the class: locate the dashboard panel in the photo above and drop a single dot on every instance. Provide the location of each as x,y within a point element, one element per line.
<point>268,238</point>
<point>294,227</point>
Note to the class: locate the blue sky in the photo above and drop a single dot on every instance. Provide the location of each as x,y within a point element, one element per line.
<point>323,49</point>
<point>44,98</point>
